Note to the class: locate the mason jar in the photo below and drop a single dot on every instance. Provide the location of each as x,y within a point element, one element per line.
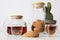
<point>38,12</point>
<point>16,26</point>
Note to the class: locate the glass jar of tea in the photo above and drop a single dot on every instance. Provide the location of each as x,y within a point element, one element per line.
<point>50,29</point>
<point>16,25</point>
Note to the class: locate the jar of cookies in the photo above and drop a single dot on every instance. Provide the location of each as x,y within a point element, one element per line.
<point>38,16</point>
<point>16,25</point>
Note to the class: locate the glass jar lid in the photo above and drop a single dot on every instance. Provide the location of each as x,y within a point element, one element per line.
<point>38,4</point>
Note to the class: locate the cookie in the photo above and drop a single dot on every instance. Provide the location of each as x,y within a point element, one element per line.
<point>38,24</point>
<point>37,29</point>
<point>31,34</point>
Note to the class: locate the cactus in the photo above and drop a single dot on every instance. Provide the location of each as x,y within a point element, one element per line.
<point>49,6</point>
<point>49,15</point>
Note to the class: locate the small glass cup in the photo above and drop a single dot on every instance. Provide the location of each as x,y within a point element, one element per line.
<point>50,29</point>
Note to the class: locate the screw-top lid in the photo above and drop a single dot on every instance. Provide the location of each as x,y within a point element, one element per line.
<point>16,16</point>
<point>38,4</point>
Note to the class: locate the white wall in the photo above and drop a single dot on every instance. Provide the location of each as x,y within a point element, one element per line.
<point>23,7</point>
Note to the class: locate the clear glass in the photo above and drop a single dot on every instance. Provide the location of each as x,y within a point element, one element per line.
<point>38,13</point>
<point>16,27</point>
<point>50,29</point>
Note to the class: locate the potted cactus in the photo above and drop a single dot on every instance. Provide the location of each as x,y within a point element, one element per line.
<point>49,15</point>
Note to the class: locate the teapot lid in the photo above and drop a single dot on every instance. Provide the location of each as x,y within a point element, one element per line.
<point>16,16</point>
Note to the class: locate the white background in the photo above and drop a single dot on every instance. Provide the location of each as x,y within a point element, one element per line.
<point>23,7</point>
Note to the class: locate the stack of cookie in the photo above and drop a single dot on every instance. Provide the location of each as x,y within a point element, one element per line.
<point>37,27</point>
<point>31,34</point>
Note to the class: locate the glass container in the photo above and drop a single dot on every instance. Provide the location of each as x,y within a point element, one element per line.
<point>38,13</point>
<point>16,25</point>
<point>50,29</point>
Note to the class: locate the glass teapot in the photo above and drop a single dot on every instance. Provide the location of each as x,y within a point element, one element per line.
<point>16,26</point>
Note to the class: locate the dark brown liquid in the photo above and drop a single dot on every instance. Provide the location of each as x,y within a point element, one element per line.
<point>50,29</point>
<point>24,30</point>
<point>9,30</point>
<point>16,30</point>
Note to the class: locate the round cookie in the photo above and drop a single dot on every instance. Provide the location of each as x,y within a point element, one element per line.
<point>37,29</point>
<point>31,34</point>
<point>38,24</point>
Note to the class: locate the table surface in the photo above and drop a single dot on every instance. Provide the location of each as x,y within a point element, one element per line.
<point>42,36</point>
